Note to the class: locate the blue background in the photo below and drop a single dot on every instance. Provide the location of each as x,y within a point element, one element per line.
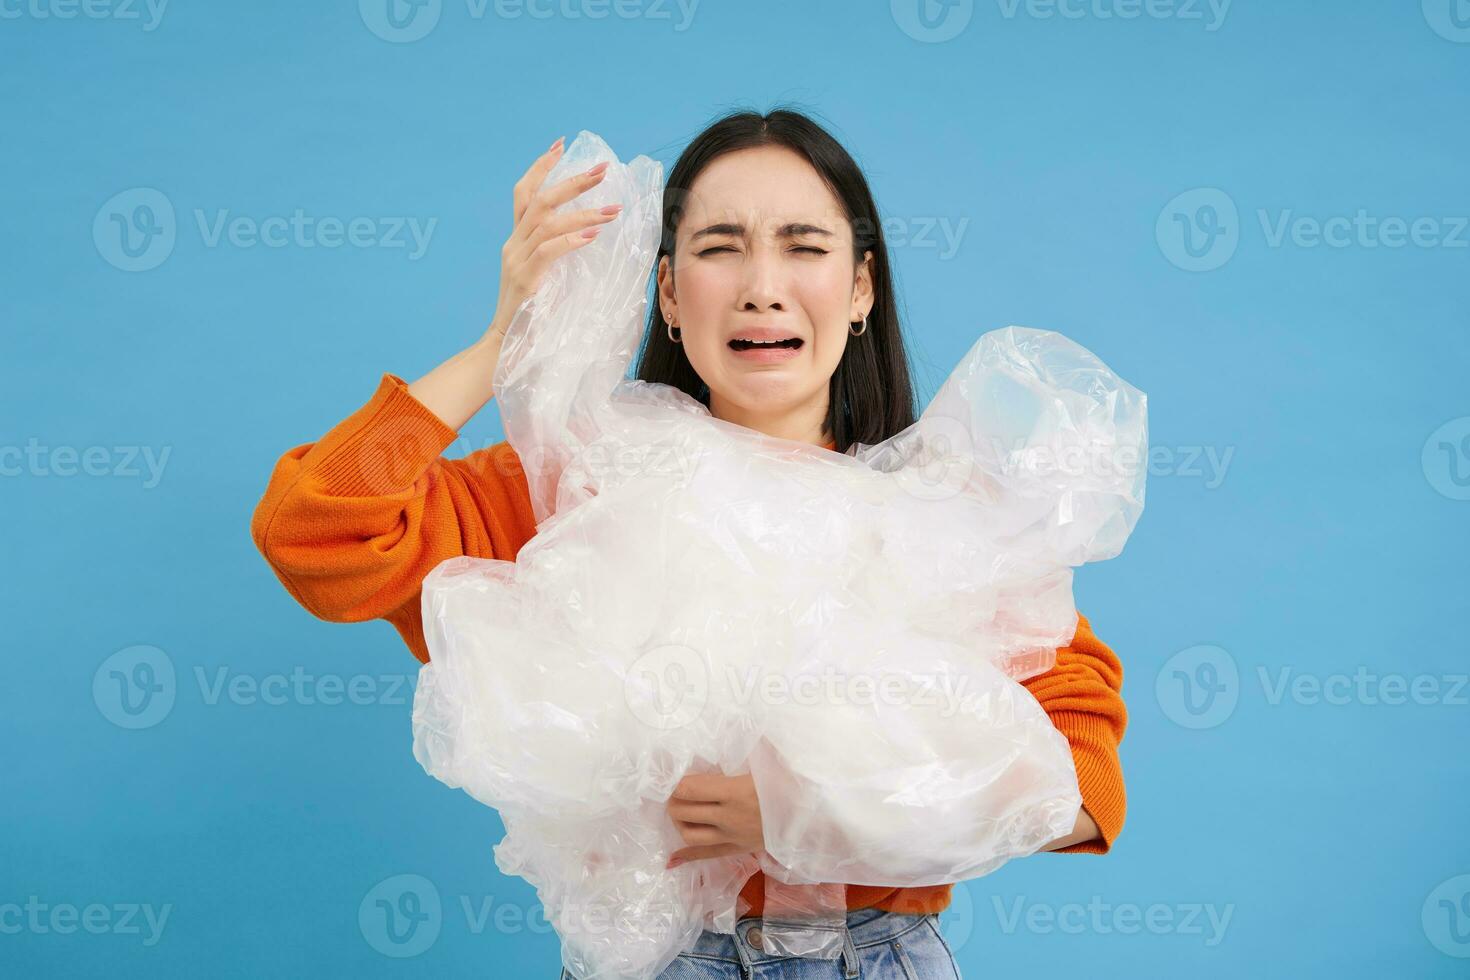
<point>1330,541</point>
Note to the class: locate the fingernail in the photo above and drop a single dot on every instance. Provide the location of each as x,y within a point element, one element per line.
<point>590,232</point>
<point>612,209</point>
<point>597,169</point>
<point>557,143</point>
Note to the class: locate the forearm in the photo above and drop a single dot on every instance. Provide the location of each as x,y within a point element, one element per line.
<point>1086,829</point>
<point>460,387</point>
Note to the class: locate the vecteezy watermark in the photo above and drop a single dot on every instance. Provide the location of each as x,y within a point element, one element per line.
<point>957,920</point>
<point>301,687</point>
<point>940,233</point>
<point>1446,917</point>
<point>136,230</point>
<point>36,459</point>
<point>405,21</point>
<point>148,13</point>
<point>1363,230</point>
<point>1363,686</point>
<point>939,460</point>
<point>1445,459</point>
<point>1450,19</point>
<point>137,687</point>
<point>1209,13</point>
<point>96,918</point>
<point>669,686</point>
<point>403,916</point>
<point>1206,463</point>
<point>398,458</point>
<point>1200,686</point>
<point>933,21</point>
<point>831,686</point>
<point>1200,230</point>
<point>1205,920</point>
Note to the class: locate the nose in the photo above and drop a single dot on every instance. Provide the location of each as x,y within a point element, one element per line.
<point>762,286</point>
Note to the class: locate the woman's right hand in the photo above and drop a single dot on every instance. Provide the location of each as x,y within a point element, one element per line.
<point>541,235</point>
<point>460,387</point>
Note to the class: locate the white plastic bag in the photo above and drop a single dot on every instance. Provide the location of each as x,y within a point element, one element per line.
<point>849,629</point>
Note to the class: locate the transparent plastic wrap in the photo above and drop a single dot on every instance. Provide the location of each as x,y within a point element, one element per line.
<point>849,629</point>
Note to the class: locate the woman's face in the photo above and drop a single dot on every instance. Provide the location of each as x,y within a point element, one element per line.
<point>764,252</point>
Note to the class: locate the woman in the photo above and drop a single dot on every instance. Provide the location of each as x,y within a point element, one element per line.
<point>775,309</point>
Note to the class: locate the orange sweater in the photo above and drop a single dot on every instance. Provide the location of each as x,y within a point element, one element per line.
<point>352,523</point>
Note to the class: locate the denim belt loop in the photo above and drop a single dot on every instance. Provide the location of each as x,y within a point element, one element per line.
<point>849,955</point>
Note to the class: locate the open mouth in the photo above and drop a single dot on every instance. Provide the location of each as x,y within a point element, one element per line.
<point>790,343</point>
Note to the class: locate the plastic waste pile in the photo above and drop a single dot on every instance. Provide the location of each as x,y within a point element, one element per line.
<point>848,629</point>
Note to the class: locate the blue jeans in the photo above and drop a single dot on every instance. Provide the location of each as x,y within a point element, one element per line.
<point>879,946</point>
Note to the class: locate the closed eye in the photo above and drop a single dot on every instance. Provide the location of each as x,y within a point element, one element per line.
<point>799,248</point>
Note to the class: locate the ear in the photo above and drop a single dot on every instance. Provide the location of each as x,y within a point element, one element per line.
<point>862,287</point>
<point>666,301</point>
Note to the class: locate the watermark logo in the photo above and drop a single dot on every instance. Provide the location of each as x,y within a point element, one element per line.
<point>1112,461</point>
<point>1450,19</point>
<point>1446,917</point>
<point>932,21</point>
<point>1446,459</point>
<point>301,687</point>
<point>36,459</point>
<point>400,21</point>
<point>135,229</point>
<point>149,13</point>
<point>65,918</point>
<point>401,916</point>
<point>939,458</point>
<point>404,915</point>
<point>1362,686</point>
<point>405,21</point>
<point>941,233</point>
<point>1362,230</point>
<point>957,920</point>
<point>667,687</point>
<point>831,685</point>
<point>135,687</point>
<point>1211,13</point>
<point>1205,920</point>
<point>1199,230</point>
<point>1198,687</point>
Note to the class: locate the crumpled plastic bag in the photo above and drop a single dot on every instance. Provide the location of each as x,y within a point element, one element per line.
<point>849,629</point>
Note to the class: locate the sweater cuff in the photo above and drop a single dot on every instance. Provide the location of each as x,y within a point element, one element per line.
<point>1099,777</point>
<point>397,439</point>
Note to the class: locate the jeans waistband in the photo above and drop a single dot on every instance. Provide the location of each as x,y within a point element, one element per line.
<point>865,927</point>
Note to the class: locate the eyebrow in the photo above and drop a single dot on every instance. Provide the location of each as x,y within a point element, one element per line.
<point>789,230</point>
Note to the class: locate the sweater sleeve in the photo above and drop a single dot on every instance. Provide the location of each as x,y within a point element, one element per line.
<point>1081,695</point>
<point>352,523</point>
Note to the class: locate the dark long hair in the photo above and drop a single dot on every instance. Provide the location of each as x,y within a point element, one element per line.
<point>872,394</point>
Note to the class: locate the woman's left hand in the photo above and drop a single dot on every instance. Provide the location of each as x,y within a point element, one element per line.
<point>716,815</point>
